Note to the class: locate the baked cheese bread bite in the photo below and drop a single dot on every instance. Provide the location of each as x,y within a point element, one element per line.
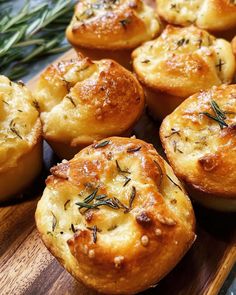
<point>179,63</point>
<point>199,139</point>
<point>116,216</point>
<point>20,138</point>
<point>108,29</point>
<point>213,15</point>
<point>82,100</point>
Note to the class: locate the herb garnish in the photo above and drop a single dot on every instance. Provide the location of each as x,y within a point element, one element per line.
<point>101,144</point>
<point>120,170</point>
<point>54,221</point>
<point>90,197</point>
<point>71,100</point>
<point>220,64</point>
<point>73,228</point>
<point>131,199</point>
<point>5,102</point>
<point>101,197</point>
<point>174,182</point>
<point>173,131</point>
<point>145,61</point>
<point>127,180</point>
<point>14,130</point>
<point>181,42</point>
<point>66,203</point>
<point>219,115</point>
<point>132,150</point>
<point>30,33</point>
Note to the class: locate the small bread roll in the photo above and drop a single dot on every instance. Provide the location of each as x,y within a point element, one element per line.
<point>181,62</point>
<point>20,138</point>
<point>199,139</point>
<point>213,15</point>
<point>115,216</point>
<point>82,101</point>
<point>101,29</point>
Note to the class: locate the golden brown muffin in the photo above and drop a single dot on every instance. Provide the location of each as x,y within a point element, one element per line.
<point>20,138</point>
<point>115,216</point>
<point>181,62</point>
<point>199,139</point>
<point>82,101</point>
<point>213,15</point>
<point>99,27</point>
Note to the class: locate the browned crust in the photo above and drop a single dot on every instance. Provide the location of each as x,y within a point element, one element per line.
<point>118,28</point>
<point>220,16</point>
<point>165,248</point>
<point>181,69</point>
<point>114,100</point>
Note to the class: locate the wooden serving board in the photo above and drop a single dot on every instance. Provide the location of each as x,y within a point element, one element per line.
<point>26,266</point>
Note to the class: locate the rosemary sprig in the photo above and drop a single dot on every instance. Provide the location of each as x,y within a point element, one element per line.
<point>32,32</point>
<point>101,144</point>
<point>219,115</point>
<point>171,180</point>
<point>54,221</point>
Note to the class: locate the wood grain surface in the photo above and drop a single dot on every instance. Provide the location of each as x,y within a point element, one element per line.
<point>26,267</point>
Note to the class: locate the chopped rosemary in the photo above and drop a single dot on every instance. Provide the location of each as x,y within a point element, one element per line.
<point>90,197</point>
<point>174,182</point>
<point>66,203</point>
<point>131,199</point>
<point>54,221</point>
<point>95,230</point>
<point>145,61</point>
<point>181,42</point>
<point>133,150</point>
<point>219,115</point>
<point>73,228</point>
<point>120,170</point>
<point>173,131</point>
<point>127,180</point>
<point>14,129</point>
<point>101,144</point>
<point>101,197</point>
<point>120,204</point>
<point>84,205</point>
<point>71,100</point>
<point>220,64</point>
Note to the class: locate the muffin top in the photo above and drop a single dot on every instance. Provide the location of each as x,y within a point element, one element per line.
<point>113,196</point>
<point>106,24</point>
<point>214,15</point>
<point>199,138</point>
<point>20,126</point>
<point>183,61</point>
<point>81,101</point>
